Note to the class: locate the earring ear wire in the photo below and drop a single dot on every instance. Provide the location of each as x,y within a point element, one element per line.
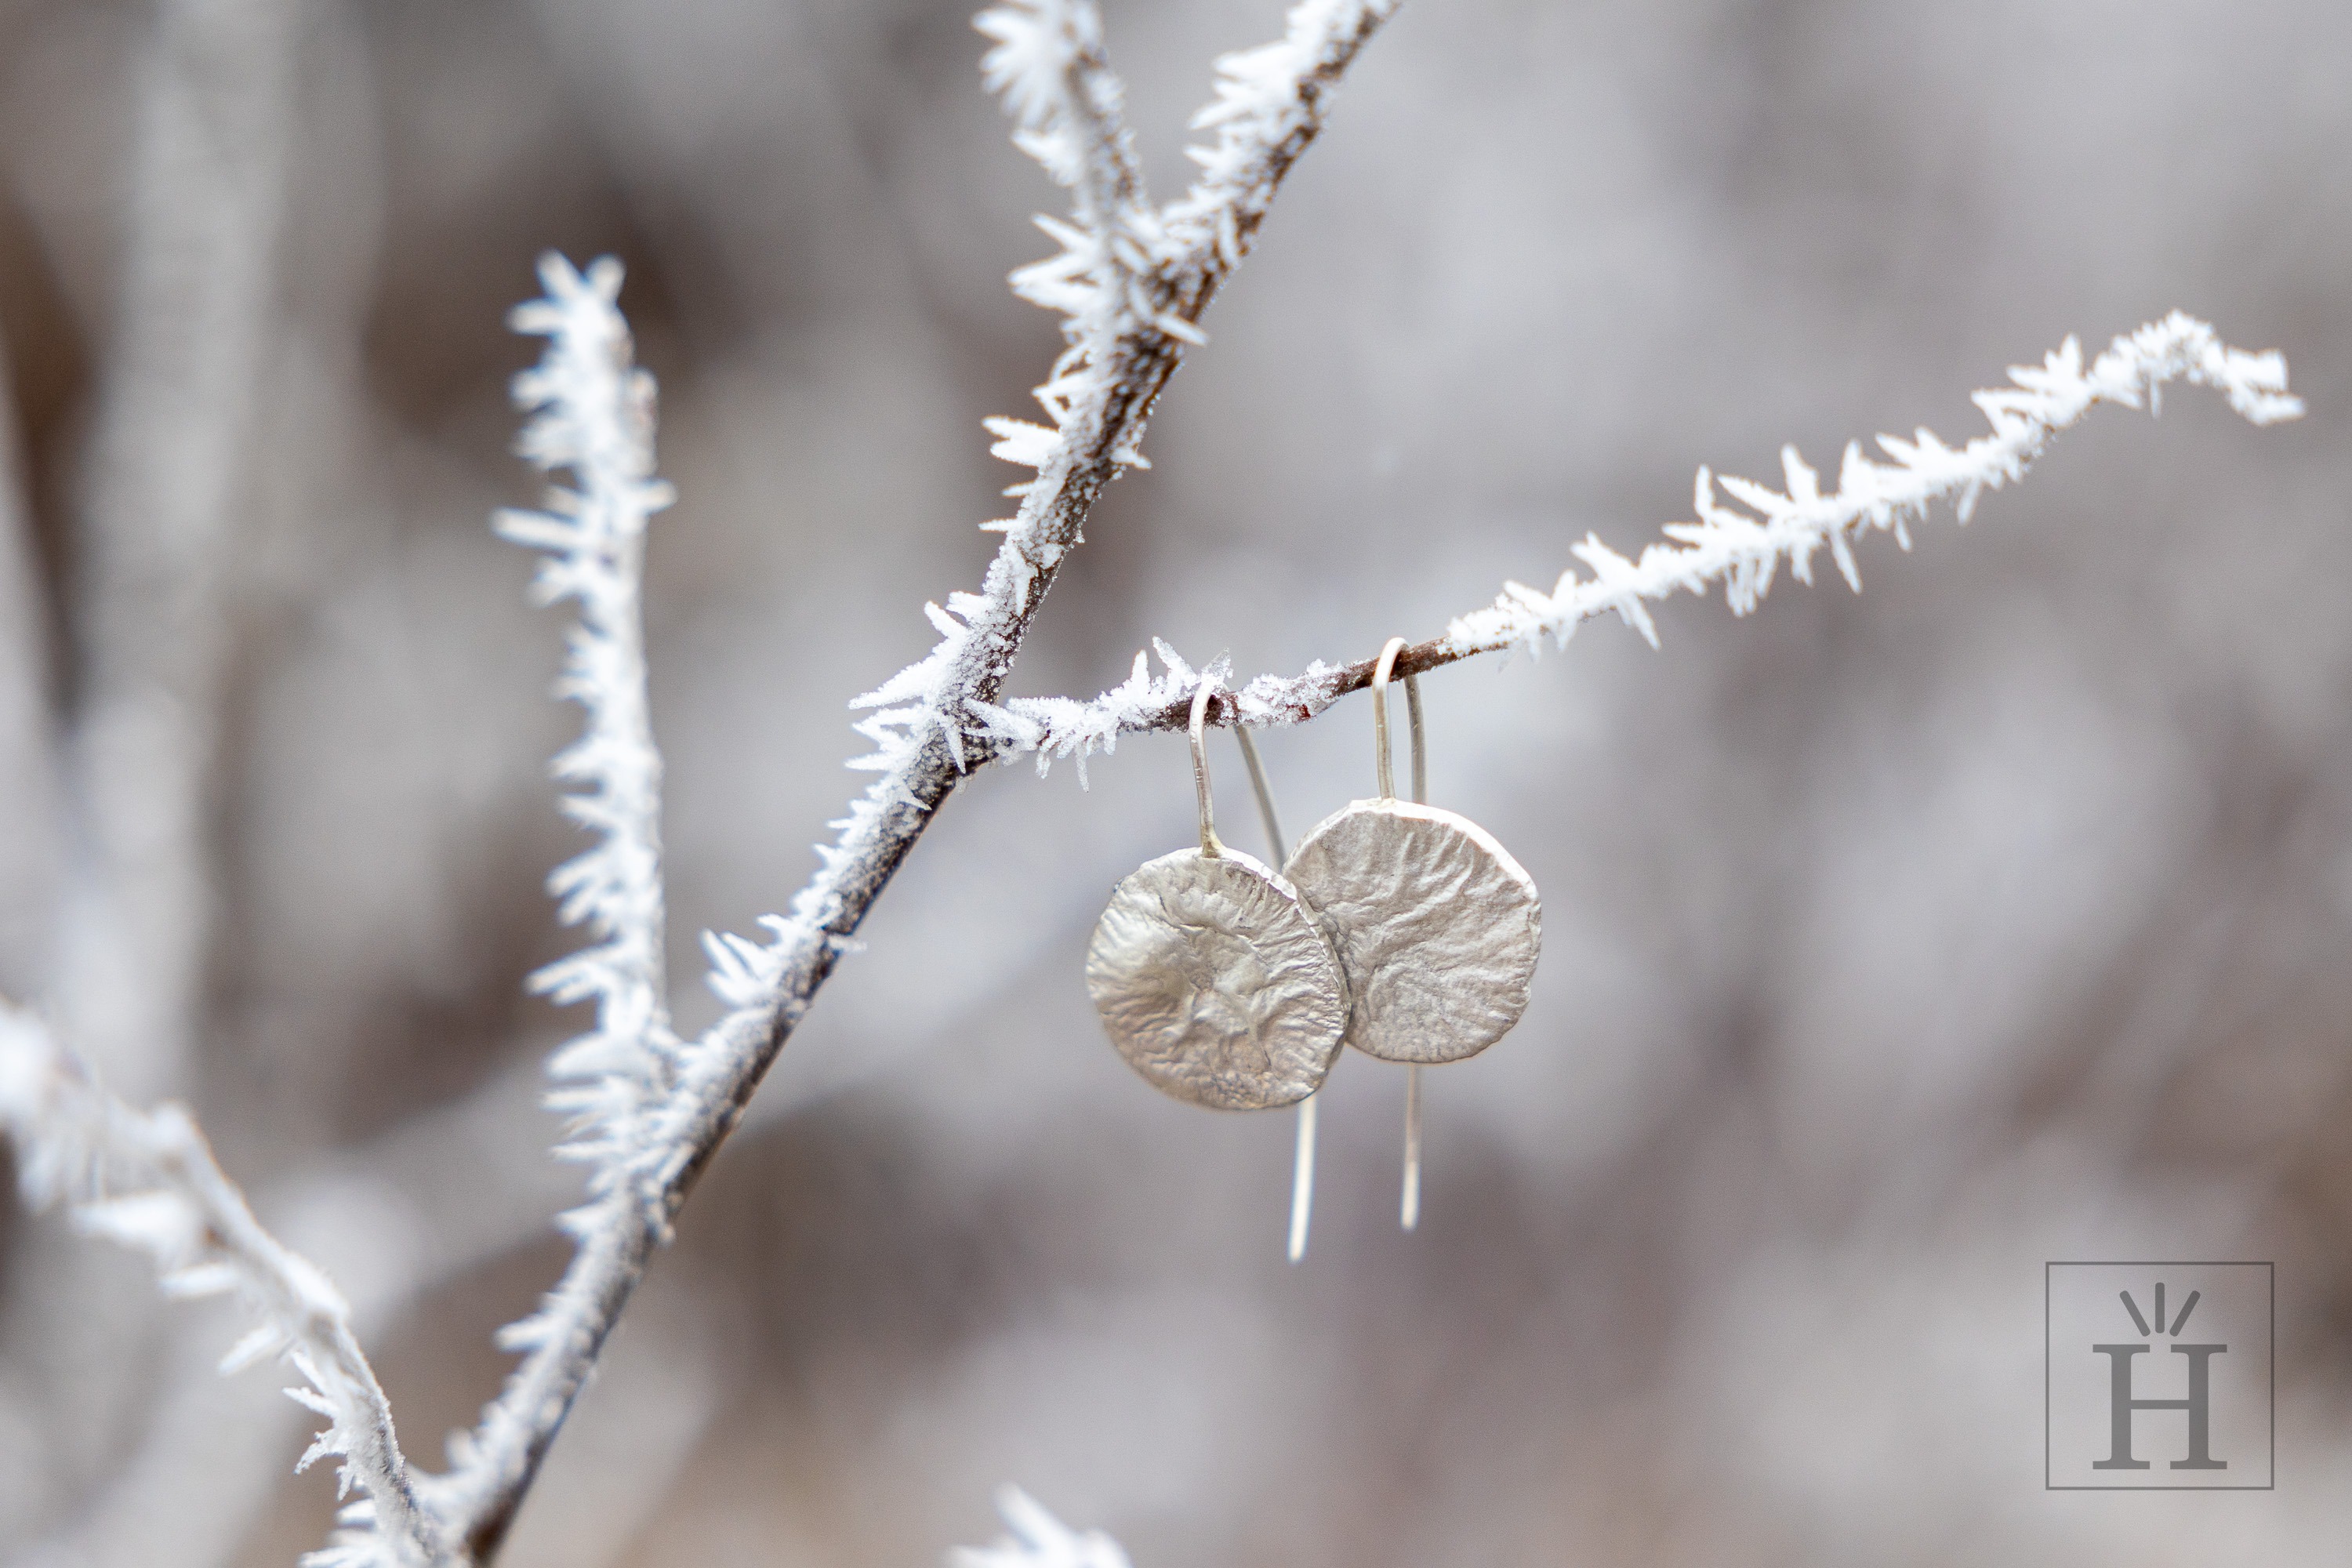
<point>1409,1201</point>
<point>1212,849</point>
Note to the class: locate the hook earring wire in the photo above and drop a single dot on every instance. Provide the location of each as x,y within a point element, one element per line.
<point>1420,741</point>
<point>1211,850</point>
<point>1383,769</point>
<point>1409,1204</point>
<point>1382,765</point>
<point>1302,1166</point>
<point>1409,1214</point>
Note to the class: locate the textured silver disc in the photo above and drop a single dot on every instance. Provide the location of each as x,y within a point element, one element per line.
<point>1435,924</point>
<point>1214,985</point>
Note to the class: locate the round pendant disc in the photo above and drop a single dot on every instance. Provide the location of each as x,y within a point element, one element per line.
<point>1214,985</point>
<point>1436,926</point>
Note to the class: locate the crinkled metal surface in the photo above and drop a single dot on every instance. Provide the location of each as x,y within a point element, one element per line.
<point>1214,985</point>
<point>1436,926</point>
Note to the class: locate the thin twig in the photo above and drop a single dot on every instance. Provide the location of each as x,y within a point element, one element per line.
<point>592,413</point>
<point>1742,550</point>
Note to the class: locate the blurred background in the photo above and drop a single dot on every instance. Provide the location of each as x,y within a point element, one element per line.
<point>1895,944</point>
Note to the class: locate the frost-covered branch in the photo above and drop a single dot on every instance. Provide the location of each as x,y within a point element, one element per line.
<point>648,1111</point>
<point>1125,343</point>
<point>148,1181</point>
<point>592,412</point>
<point>1131,285</point>
<point>1126,339</point>
<point>1270,103</point>
<point>1066,105</point>
<point>1036,1539</point>
<point>1741,548</point>
<point>1099,396</point>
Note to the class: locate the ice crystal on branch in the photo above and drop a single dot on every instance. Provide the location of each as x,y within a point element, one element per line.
<point>1741,548</point>
<point>1269,103</point>
<point>1744,549</point>
<point>1058,727</point>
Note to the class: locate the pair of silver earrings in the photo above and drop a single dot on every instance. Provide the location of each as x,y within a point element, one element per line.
<point>1398,928</point>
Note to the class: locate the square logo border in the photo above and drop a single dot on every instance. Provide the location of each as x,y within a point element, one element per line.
<point>2270,1270</point>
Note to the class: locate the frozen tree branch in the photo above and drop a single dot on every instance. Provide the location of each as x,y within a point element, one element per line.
<point>650,1112</point>
<point>1038,1540</point>
<point>473,1184</point>
<point>1049,68</point>
<point>1131,285</point>
<point>592,413</point>
<point>148,1181</point>
<point>595,415</point>
<point>1743,550</point>
<point>1271,103</point>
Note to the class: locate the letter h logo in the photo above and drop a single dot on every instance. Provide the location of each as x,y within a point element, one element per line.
<point>2199,1404</point>
<point>2106,1390</point>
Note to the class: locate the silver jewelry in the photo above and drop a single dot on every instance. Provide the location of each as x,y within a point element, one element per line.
<point>1211,978</point>
<point>1437,928</point>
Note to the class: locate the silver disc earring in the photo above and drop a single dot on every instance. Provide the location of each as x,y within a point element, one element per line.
<point>1210,977</point>
<point>1437,928</point>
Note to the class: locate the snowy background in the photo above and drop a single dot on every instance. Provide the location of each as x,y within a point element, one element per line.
<point>1893,945</point>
